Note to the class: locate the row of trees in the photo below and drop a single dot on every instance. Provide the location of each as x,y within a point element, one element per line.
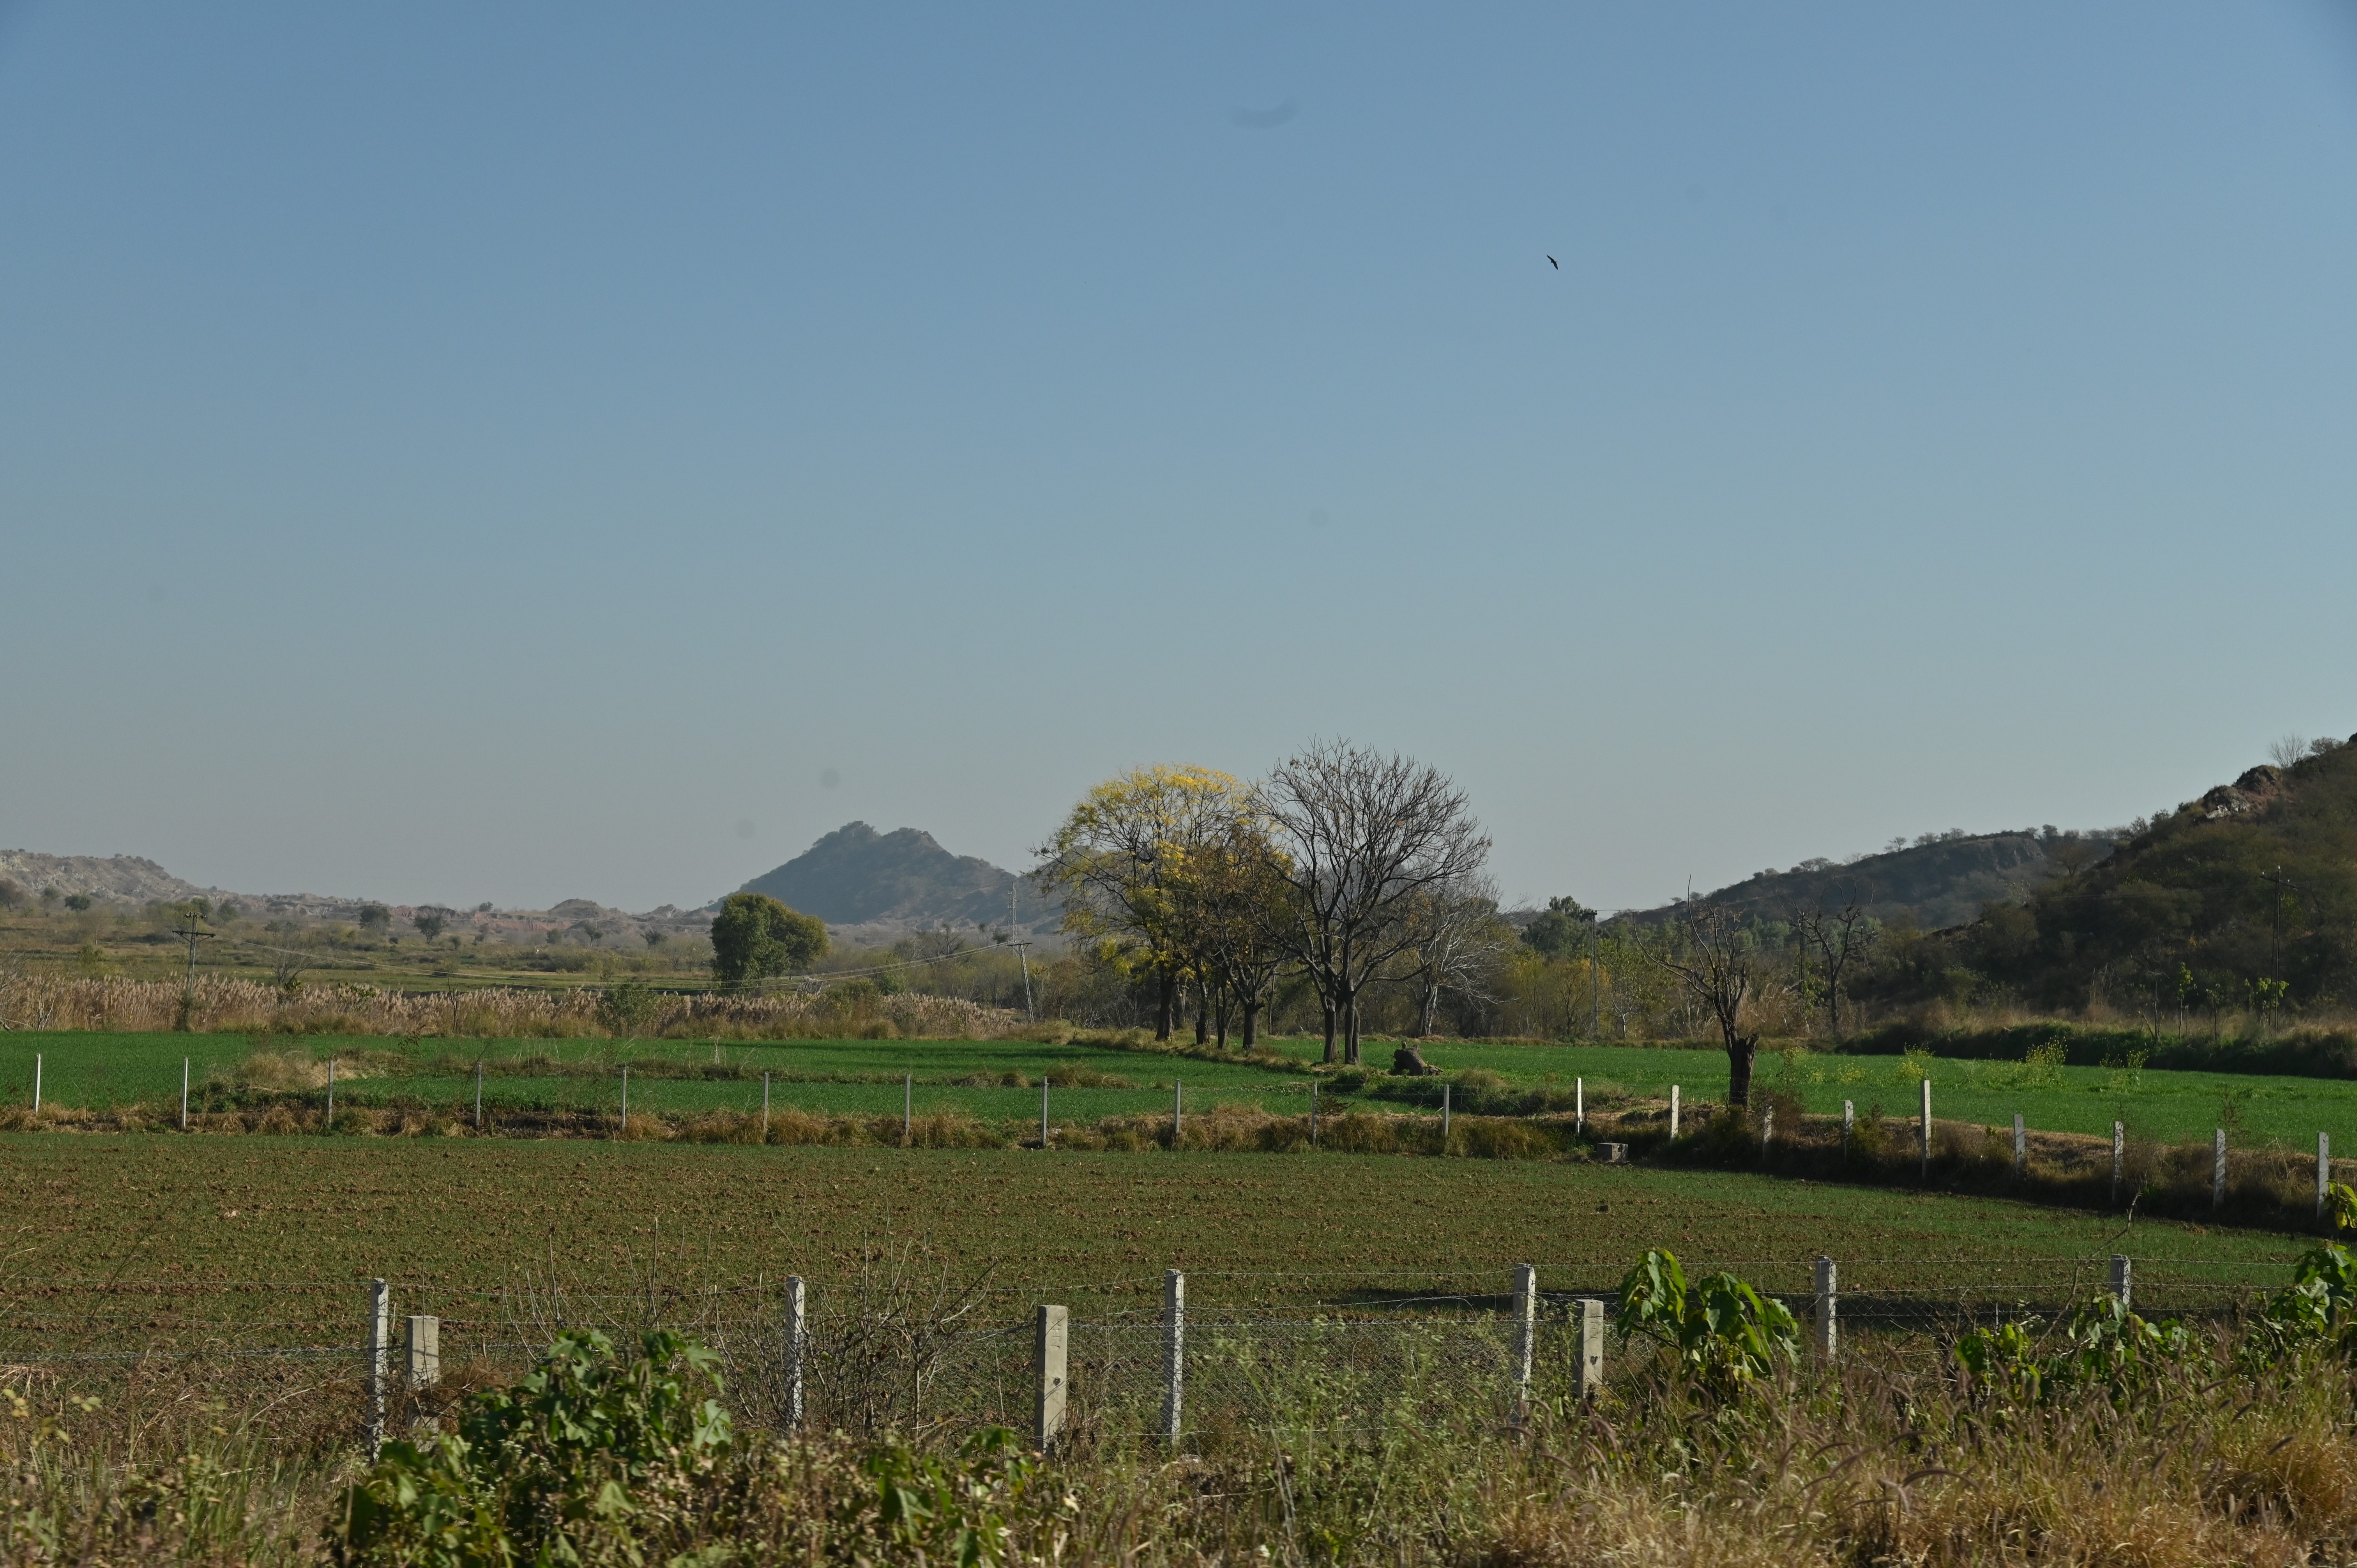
<point>1345,866</point>
<point>1348,869</point>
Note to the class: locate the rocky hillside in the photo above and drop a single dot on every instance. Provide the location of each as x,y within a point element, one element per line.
<point>130,881</point>
<point>107,879</point>
<point>1938,881</point>
<point>857,876</point>
<point>2245,899</point>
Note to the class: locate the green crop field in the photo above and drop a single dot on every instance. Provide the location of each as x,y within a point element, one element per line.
<point>997,1081</point>
<point>160,1225</point>
<point>2170,1106</point>
<point>100,1072</point>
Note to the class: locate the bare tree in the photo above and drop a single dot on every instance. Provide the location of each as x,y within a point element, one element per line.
<point>1364,837</point>
<point>1713,960</point>
<point>286,967</point>
<point>2287,750</point>
<point>1841,938</point>
<point>1460,945</point>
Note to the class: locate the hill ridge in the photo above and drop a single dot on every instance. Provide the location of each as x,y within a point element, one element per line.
<point>857,876</point>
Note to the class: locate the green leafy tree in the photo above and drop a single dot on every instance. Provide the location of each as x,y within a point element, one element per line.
<point>1564,930</point>
<point>429,923</point>
<point>754,936</point>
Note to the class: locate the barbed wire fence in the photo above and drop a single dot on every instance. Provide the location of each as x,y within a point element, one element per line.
<point>894,1349</point>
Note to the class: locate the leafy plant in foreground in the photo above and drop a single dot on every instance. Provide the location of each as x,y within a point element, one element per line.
<point>2102,1346</point>
<point>540,1471</point>
<point>950,1511</point>
<point>1723,1333</point>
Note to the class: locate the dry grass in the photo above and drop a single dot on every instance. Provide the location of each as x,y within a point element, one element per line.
<point>57,1001</point>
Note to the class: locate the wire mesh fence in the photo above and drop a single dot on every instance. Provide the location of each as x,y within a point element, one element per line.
<point>1344,1353</point>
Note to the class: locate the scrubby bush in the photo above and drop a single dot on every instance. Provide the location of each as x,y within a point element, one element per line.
<point>556,1468</point>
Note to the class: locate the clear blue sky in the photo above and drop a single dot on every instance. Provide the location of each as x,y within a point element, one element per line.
<point>513,452</point>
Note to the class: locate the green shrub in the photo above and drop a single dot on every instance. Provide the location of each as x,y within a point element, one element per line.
<point>948,1511</point>
<point>627,1008</point>
<point>547,1470</point>
<point>2102,1346</point>
<point>2319,1308</point>
<point>1723,1334</point>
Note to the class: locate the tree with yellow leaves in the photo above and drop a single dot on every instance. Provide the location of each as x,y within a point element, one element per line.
<point>1122,859</point>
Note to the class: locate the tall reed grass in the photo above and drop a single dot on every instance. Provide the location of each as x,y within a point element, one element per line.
<point>48,1000</point>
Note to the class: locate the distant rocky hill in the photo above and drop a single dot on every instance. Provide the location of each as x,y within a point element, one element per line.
<point>130,881</point>
<point>2243,900</point>
<point>1940,880</point>
<point>857,876</point>
<point>109,879</point>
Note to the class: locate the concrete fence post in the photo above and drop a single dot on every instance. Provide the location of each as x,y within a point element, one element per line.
<point>797,1347</point>
<point>423,1340</point>
<point>2121,1281</point>
<point>184,1111</point>
<point>1578,1107</point>
<point>1850,1123</point>
<point>374,1369</point>
<point>2119,1158</point>
<point>1526,1334</point>
<point>1767,1129</point>
<point>1444,1118</point>
<point>2218,1169</point>
<point>2020,1147</point>
<point>1174,1354</point>
<point>2323,1170</point>
<point>1673,1113</point>
<point>1043,1120</point>
<point>1178,1110</point>
<point>1828,1331</point>
<point>1053,1341</point>
<point>1587,1320</point>
<point>479,1094</point>
<point>1923,1134</point>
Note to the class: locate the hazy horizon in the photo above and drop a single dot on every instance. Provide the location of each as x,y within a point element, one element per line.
<point>453,455</point>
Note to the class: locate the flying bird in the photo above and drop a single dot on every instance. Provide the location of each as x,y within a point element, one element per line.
<point>1555,264</point>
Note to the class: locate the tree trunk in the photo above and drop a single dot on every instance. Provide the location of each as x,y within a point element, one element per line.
<point>1165,1005</point>
<point>1431,1001</point>
<point>1351,1030</point>
<point>1325,1005</point>
<point>1252,1025</point>
<point>1219,1021</point>
<point>1202,1014</point>
<point>1740,1051</point>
